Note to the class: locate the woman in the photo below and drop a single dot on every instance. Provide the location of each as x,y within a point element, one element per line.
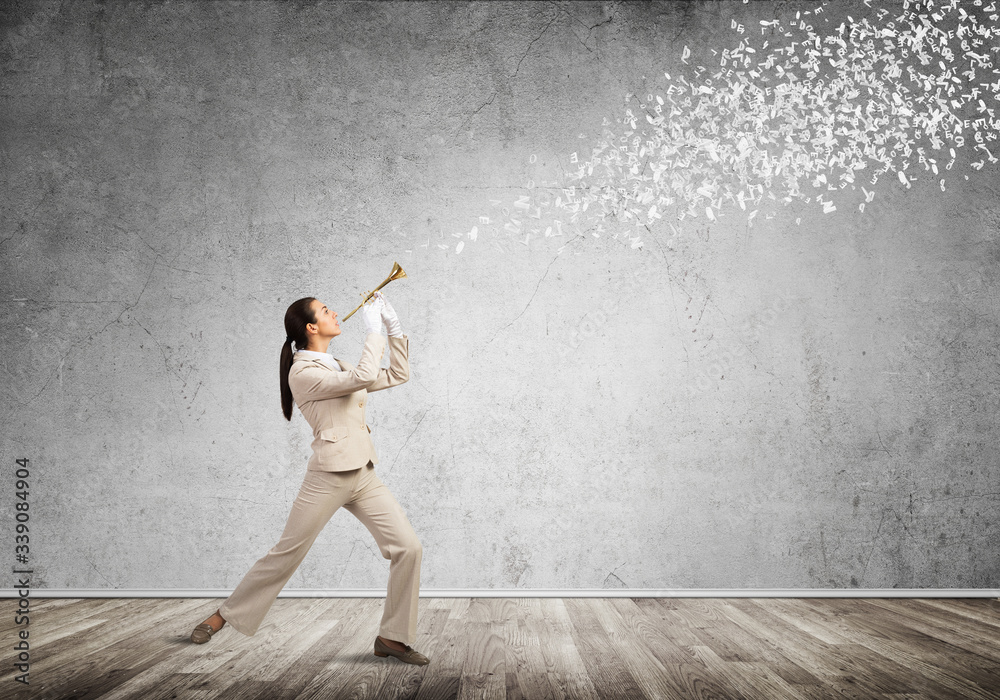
<point>331,394</point>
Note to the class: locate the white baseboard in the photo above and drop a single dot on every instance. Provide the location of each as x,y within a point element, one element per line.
<point>526,593</point>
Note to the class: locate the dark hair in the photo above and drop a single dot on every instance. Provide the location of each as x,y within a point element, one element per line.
<point>299,314</point>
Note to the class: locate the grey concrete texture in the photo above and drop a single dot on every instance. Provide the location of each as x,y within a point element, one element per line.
<point>806,404</point>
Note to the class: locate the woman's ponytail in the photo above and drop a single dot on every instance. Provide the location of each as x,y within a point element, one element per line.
<point>297,317</point>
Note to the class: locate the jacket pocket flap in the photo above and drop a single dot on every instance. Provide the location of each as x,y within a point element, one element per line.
<point>334,434</point>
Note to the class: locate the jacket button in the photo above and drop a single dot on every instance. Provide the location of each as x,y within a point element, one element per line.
<point>360,404</point>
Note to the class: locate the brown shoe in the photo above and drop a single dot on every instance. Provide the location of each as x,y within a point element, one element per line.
<point>409,656</point>
<point>202,633</point>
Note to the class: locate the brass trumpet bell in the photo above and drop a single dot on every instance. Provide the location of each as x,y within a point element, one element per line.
<point>397,273</point>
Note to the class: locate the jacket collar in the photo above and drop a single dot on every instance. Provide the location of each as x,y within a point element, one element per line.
<point>344,365</point>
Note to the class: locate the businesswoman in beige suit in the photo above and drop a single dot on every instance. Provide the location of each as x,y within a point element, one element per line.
<point>332,394</point>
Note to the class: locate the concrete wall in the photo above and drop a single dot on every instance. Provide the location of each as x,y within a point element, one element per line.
<point>808,400</point>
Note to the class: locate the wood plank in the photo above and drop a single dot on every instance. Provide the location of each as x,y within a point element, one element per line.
<point>790,610</point>
<point>95,676</point>
<point>566,672</point>
<point>447,654</point>
<point>351,670</point>
<point>749,680</point>
<point>650,674</point>
<point>95,661</point>
<point>749,638</point>
<point>483,674</point>
<point>524,648</point>
<point>959,631</point>
<point>605,668</point>
<point>343,618</point>
<point>685,671</point>
<point>972,667</point>
<point>666,610</point>
<point>830,663</point>
<point>983,610</point>
<point>898,659</point>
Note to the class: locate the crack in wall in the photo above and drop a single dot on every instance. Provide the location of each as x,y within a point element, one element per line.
<point>510,77</point>
<point>90,337</point>
<point>874,543</point>
<point>537,285</point>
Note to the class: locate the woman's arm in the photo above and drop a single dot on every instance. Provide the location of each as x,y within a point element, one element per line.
<point>399,365</point>
<point>310,382</point>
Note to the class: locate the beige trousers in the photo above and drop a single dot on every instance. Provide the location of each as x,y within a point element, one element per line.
<point>364,495</point>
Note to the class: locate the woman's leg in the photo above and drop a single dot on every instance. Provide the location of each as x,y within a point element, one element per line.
<point>321,494</point>
<point>378,510</point>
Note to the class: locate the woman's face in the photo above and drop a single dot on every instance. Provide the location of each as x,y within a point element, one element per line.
<point>326,320</point>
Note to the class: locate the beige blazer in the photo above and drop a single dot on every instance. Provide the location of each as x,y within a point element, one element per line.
<point>333,401</point>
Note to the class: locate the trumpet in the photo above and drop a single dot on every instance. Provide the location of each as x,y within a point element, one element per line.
<point>397,273</point>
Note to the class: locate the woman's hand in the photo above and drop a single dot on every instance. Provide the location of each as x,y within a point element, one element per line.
<point>372,313</point>
<point>389,317</point>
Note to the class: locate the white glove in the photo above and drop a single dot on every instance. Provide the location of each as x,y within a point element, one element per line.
<point>372,312</point>
<point>390,318</point>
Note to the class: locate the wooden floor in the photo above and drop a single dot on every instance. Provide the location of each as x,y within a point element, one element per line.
<point>767,648</point>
